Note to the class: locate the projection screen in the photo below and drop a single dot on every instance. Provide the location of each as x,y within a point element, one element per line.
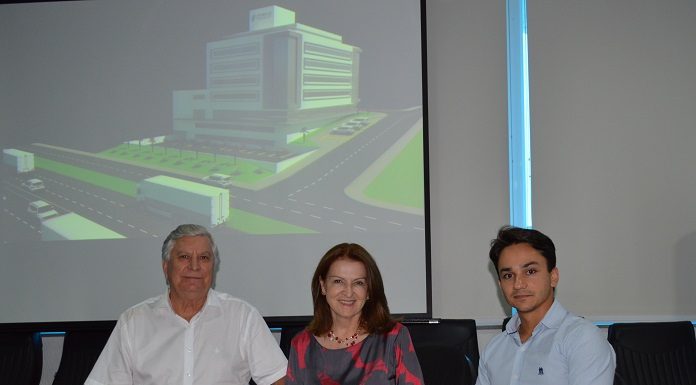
<point>285,127</point>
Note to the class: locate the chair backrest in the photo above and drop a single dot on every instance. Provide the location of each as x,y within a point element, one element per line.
<point>654,353</point>
<point>81,349</point>
<point>286,334</point>
<point>447,351</point>
<point>21,358</point>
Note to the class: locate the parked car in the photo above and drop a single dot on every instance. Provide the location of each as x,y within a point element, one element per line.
<point>342,131</point>
<point>42,210</point>
<point>34,184</point>
<point>219,179</point>
<point>353,124</point>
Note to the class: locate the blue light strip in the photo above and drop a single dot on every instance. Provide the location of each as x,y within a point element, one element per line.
<point>45,334</point>
<point>518,115</point>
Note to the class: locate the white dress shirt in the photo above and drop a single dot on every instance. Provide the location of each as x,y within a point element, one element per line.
<point>227,342</point>
<point>564,349</point>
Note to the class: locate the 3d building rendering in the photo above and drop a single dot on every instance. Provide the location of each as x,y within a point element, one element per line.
<point>269,85</point>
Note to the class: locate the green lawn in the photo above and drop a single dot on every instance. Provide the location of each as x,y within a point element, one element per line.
<point>108,182</point>
<point>240,220</point>
<point>250,223</point>
<point>401,182</point>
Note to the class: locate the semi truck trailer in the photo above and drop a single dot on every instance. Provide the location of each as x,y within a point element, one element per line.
<point>72,227</point>
<point>174,197</point>
<point>20,161</point>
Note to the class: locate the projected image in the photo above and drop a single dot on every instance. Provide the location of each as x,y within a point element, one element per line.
<point>275,141</point>
<point>284,126</point>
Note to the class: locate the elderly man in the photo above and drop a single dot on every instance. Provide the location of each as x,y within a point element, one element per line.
<point>543,343</point>
<point>192,334</point>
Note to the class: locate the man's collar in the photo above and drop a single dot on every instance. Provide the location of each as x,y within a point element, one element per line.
<point>552,319</point>
<point>163,301</point>
<point>212,301</point>
<point>513,325</point>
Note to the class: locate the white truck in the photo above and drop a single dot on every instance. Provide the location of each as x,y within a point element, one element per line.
<point>20,161</point>
<point>42,210</point>
<point>72,227</point>
<point>185,200</point>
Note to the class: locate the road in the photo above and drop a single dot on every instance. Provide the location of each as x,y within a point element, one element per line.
<point>312,198</point>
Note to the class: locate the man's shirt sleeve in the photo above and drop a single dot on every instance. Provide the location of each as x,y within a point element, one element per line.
<point>267,363</point>
<point>113,367</point>
<point>591,359</point>
<point>482,378</point>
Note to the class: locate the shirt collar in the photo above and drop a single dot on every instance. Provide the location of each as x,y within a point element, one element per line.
<point>552,319</point>
<point>513,324</point>
<point>162,301</point>
<point>212,304</point>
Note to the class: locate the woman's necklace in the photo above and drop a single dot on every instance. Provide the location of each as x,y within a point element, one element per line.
<point>348,341</point>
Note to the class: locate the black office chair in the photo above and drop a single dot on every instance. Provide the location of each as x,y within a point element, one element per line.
<point>286,335</point>
<point>81,349</point>
<point>21,358</point>
<point>654,353</point>
<point>447,351</point>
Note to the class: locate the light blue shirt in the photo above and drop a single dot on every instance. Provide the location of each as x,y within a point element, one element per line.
<point>563,349</point>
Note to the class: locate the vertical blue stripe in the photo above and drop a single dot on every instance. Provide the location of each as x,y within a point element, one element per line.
<point>519,134</point>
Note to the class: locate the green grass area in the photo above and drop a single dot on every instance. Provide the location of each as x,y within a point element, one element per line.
<point>240,220</point>
<point>108,182</point>
<point>195,163</point>
<point>250,223</point>
<point>401,182</point>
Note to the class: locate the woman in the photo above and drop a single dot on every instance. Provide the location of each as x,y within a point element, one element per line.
<point>352,339</point>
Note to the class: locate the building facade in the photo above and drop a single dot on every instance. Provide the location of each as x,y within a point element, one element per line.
<point>270,84</point>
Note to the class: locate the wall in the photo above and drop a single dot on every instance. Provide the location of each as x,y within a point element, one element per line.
<point>613,92</point>
<point>467,92</point>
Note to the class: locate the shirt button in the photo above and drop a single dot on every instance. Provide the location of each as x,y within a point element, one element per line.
<point>188,349</point>
<point>188,374</point>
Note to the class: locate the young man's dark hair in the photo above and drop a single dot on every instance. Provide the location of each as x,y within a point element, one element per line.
<point>510,235</point>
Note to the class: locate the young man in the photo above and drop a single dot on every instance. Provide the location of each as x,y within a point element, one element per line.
<point>543,343</point>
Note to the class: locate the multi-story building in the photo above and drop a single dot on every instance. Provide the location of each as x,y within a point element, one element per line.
<point>267,86</point>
